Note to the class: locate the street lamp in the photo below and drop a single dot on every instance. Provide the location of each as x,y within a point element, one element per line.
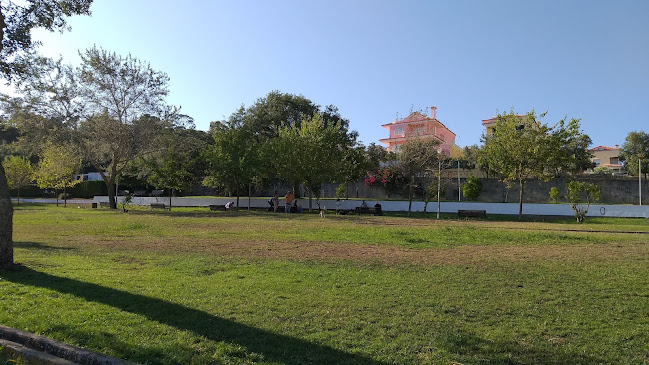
<point>439,179</point>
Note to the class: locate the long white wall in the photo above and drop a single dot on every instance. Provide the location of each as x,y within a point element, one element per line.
<point>395,206</point>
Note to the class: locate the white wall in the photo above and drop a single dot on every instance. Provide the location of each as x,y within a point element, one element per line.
<point>394,206</point>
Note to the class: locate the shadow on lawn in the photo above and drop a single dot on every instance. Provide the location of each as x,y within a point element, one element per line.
<point>40,246</point>
<point>473,349</point>
<point>274,347</point>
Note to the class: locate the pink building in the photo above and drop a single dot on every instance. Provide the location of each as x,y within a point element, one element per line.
<point>417,125</point>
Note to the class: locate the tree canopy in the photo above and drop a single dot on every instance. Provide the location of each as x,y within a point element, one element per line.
<point>634,149</point>
<point>522,147</point>
<point>17,19</point>
<point>518,150</point>
<point>418,157</point>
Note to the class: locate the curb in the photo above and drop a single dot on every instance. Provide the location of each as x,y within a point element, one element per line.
<point>37,349</point>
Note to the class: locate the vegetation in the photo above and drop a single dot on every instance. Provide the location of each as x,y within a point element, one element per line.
<point>580,195</point>
<point>522,147</point>
<point>602,170</point>
<point>16,23</point>
<point>57,167</point>
<point>554,194</point>
<point>194,286</point>
<point>311,153</point>
<point>634,149</point>
<point>472,188</point>
<point>419,158</point>
<point>19,172</point>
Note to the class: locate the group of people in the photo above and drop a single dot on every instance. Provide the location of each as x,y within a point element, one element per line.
<point>291,203</point>
<point>339,209</point>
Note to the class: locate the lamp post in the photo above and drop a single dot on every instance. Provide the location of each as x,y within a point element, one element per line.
<point>459,187</point>
<point>640,179</point>
<point>439,179</point>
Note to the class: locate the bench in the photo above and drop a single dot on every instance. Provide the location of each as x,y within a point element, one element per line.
<point>104,204</point>
<point>472,214</point>
<point>368,210</point>
<point>159,206</point>
<point>217,207</point>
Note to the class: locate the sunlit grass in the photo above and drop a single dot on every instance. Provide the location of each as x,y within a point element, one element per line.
<point>154,287</point>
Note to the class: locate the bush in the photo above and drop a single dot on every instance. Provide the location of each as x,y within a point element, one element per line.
<point>29,191</point>
<point>580,196</point>
<point>602,170</point>
<point>88,189</point>
<point>554,194</point>
<point>472,188</point>
<point>340,191</point>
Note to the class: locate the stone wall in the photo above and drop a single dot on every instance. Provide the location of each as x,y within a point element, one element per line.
<point>614,190</point>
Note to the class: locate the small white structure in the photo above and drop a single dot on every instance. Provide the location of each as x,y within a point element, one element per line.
<point>91,176</point>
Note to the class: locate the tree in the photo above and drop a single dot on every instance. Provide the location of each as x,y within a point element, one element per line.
<point>57,167</point>
<point>569,148</point>
<point>19,172</point>
<point>577,193</point>
<point>519,149</point>
<point>472,188</point>
<point>635,147</point>
<point>6,223</point>
<point>17,19</point>
<point>354,165</point>
<point>470,157</point>
<point>170,171</point>
<point>310,153</point>
<point>376,155</point>
<point>418,157</point>
<point>235,158</point>
<point>125,99</point>
<point>16,22</point>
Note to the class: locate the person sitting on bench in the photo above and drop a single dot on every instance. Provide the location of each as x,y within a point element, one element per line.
<point>296,207</point>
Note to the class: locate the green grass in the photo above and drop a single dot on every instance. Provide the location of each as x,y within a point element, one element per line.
<point>200,287</point>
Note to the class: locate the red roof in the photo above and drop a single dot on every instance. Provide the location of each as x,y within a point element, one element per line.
<point>603,148</point>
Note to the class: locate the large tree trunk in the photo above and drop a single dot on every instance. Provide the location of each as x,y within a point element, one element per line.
<point>110,186</point>
<point>6,223</point>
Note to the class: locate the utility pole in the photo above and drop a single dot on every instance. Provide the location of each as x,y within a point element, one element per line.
<point>459,187</point>
<point>640,179</point>
<point>439,185</point>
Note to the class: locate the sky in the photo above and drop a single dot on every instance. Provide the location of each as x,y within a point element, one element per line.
<point>378,60</point>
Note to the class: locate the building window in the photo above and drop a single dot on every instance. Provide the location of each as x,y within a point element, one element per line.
<point>398,131</point>
<point>596,162</point>
<point>615,161</point>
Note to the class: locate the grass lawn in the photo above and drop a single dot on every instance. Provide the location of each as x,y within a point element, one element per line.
<point>200,287</point>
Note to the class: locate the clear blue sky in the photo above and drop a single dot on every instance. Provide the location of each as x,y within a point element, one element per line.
<point>374,59</point>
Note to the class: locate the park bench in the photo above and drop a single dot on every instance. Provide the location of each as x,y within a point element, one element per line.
<point>217,207</point>
<point>472,213</point>
<point>368,210</point>
<point>104,204</point>
<point>159,206</point>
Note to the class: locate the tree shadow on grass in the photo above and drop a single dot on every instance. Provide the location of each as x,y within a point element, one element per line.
<point>472,349</point>
<point>41,246</point>
<point>272,346</point>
